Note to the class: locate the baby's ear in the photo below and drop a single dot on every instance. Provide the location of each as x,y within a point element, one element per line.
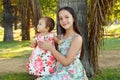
<point>47,28</point>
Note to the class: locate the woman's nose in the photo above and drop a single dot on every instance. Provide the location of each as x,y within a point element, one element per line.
<point>63,20</point>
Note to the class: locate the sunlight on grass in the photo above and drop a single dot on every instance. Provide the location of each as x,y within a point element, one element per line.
<point>18,49</point>
<point>15,54</point>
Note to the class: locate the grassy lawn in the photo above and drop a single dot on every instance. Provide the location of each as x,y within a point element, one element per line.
<point>14,49</point>
<point>108,74</point>
<point>111,44</point>
<point>17,76</point>
<point>18,49</point>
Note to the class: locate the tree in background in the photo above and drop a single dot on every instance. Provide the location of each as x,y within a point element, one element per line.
<point>8,20</point>
<point>97,15</point>
<point>25,19</point>
<point>29,9</point>
<point>36,11</point>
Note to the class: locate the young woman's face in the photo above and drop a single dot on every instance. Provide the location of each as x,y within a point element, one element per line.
<point>65,18</point>
<point>41,27</point>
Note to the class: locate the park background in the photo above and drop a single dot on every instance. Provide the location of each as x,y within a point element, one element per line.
<point>18,20</point>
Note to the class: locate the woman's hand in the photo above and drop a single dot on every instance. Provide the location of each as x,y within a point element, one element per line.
<point>45,45</point>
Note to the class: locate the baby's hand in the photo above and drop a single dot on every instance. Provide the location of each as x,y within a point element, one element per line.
<point>33,45</point>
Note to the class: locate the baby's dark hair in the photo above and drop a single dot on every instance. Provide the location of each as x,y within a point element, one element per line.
<point>49,23</point>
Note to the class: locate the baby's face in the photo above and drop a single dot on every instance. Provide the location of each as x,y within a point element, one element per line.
<point>41,27</point>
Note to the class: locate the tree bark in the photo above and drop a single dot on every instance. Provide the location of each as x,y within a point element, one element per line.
<point>35,4</point>
<point>80,8</point>
<point>7,20</point>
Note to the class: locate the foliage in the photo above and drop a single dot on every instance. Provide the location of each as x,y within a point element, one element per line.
<point>116,10</point>
<point>49,8</point>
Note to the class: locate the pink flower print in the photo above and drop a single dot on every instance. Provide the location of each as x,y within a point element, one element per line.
<point>71,71</point>
<point>50,39</point>
<point>27,66</point>
<point>49,63</point>
<point>44,51</point>
<point>39,59</point>
<point>36,72</point>
<point>51,70</point>
<point>65,77</point>
<point>52,58</point>
<point>39,64</point>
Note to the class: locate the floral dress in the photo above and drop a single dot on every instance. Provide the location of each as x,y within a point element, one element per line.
<point>74,71</point>
<point>42,62</point>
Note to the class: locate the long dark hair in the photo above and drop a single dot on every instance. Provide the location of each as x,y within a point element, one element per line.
<point>75,23</point>
<point>76,26</point>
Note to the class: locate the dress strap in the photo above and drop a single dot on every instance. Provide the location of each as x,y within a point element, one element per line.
<point>74,36</point>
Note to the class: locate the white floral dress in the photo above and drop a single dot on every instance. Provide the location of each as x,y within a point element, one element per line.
<point>74,71</point>
<point>42,62</point>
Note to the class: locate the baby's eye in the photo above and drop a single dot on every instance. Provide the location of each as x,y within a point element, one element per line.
<point>66,17</point>
<point>39,23</point>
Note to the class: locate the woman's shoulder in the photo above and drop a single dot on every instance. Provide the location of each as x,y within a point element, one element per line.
<point>77,37</point>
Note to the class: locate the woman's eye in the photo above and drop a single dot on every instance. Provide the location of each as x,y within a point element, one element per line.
<point>60,18</point>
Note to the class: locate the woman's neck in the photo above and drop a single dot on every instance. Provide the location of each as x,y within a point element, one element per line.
<point>69,33</point>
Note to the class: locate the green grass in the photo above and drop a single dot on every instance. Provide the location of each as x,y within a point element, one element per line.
<point>105,74</point>
<point>111,44</point>
<point>108,74</point>
<point>14,49</point>
<point>17,76</point>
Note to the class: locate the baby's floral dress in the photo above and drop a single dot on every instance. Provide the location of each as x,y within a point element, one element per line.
<point>42,62</point>
<point>74,71</point>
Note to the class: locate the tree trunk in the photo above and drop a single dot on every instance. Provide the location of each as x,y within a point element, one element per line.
<point>25,15</point>
<point>35,5</point>
<point>8,32</point>
<point>7,20</point>
<point>80,8</point>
